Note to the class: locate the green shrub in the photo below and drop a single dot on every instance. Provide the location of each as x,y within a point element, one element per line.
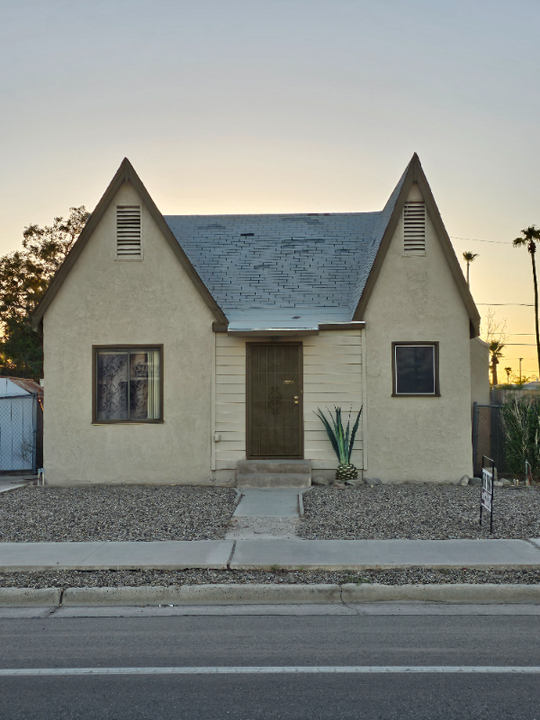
<point>521,420</point>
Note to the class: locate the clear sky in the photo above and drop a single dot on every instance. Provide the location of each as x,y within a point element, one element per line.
<point>232,106</point>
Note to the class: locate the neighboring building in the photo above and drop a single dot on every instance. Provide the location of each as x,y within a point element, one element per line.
<point>176,346</point>
<point>21,425</point>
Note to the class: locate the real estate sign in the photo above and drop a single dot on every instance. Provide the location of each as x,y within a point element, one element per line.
<point>486,498</point>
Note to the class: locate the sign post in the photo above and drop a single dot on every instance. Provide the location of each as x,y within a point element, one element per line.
<point>486,498</point>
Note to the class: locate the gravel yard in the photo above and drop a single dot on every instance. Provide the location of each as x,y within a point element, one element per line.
<point>417,512</point>
<point>107,578</point>
<point>105,512</point>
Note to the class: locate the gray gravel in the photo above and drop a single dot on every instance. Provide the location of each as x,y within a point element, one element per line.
<point>417,512</point>
<point>132,578</point>
<point>115,513</point>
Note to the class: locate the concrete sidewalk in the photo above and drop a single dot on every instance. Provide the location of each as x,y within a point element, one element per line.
<point>271,555</point>
<point>12,482</point>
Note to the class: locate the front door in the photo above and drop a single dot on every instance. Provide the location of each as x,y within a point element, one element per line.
<point>274,400</point>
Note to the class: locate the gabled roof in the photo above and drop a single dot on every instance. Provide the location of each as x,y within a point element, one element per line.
<point>290,271</point>
<point>281,271</point>
<point>124,174</point>
<point>300,271</point>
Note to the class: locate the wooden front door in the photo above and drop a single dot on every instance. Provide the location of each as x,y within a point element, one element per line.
<point>274,400</point>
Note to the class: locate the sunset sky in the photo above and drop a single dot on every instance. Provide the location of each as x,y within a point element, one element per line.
<point>242,106</point>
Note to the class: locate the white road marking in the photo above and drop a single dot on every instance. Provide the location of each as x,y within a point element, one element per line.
<point>276,670</point>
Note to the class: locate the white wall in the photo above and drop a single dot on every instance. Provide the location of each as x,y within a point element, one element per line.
<point>106,302</point>
<point>332,376</point>
<point>417,438</point>
<point>8,387</point>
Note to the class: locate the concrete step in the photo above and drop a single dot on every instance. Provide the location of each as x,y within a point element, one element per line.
<point>274,466</point>
<point>273,473</point>
<point>273,480</point>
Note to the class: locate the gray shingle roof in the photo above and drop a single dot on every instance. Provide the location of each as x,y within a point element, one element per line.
<point>284,270</point>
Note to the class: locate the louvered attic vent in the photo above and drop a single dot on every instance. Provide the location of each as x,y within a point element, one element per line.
<point>128,231</point>
<point>414,228</point>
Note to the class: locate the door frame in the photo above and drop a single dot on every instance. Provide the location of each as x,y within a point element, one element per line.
<point>300,346</point>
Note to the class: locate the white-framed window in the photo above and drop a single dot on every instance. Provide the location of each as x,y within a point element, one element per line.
<point>128,384</point>
<point>128,232</point>
<point>415,368</point>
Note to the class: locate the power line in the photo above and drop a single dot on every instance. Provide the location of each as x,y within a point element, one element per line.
<point>497,242</point>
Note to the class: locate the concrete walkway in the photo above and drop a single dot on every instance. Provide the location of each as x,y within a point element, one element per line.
<point>268,502</point>
<point>266,514</point>
<point>271,554</point>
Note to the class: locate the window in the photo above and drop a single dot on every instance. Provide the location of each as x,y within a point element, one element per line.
<point>416,368</point>
<point>128,384</point>
<point>128,232</point>
<point>414,228</point>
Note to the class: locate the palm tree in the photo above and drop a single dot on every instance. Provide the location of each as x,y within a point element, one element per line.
<point>508,370</point>
<point>469,257</point>
<point>496,352</point>
<point>531,236</point>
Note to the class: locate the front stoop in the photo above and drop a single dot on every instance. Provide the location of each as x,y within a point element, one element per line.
<point>273,473</point>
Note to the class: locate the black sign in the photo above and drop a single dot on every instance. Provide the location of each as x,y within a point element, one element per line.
<point>488,480</point>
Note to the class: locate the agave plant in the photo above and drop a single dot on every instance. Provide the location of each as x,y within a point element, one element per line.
<point>342,439</point>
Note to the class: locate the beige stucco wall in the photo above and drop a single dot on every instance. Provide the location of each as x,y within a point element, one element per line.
<point>424,439</point>
<point>480,392</point>
<point>106,302</point>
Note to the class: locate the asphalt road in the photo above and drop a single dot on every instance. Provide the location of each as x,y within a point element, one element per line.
<point>206,642</point>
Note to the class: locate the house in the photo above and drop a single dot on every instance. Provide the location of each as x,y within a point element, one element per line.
<point>21,425</point>
<point>177,346</point>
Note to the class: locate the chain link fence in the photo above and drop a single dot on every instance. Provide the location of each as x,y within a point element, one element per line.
<point>21,433</point>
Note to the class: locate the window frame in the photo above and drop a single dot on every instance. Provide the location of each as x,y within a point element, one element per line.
<point>416,343</point>
<point>136,348</point>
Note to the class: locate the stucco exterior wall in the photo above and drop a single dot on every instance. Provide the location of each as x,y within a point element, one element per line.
<point>423,439</point>
<point>480,391</point>
<point>104,301</point>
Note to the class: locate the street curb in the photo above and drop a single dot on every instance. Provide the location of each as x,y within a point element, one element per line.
<point>30,597</point>
<point>489,593</point>
<point>203,595</point>
<point>263,594</point>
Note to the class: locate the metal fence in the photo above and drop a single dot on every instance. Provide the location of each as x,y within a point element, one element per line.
<point>488,437</point>
<point>21,433</point>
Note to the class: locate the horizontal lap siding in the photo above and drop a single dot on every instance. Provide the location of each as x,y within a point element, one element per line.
<point>332,376</point>
<point>230,416</point>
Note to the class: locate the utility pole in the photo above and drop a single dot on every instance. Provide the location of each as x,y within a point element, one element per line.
<point>520,359</point>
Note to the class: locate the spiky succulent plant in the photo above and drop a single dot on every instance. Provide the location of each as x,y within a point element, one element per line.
<point>342,440</point>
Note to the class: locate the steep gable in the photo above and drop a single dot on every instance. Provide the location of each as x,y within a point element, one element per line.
<point>393,210</point>
<point>124,174</point>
